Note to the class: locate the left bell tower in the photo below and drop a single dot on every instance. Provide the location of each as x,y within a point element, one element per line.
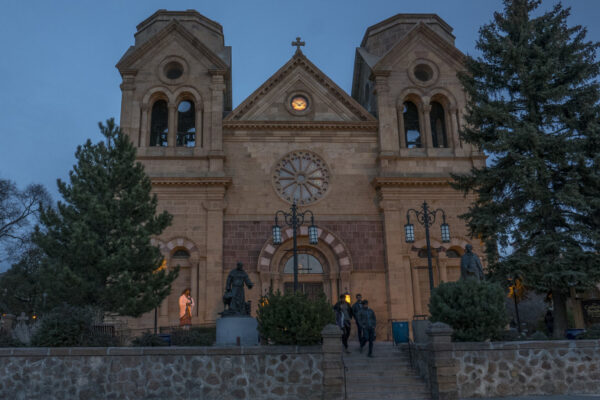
<point>176,90</point>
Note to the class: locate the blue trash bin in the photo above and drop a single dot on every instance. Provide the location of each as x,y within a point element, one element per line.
<point>400,331</point>
<point>166,337</point>
<point>572,334</point>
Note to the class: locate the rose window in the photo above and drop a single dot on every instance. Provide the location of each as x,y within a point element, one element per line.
<point>301,176</point>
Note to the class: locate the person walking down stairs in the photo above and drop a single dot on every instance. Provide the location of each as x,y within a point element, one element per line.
<point>368,322</point>
<point>343,318</point>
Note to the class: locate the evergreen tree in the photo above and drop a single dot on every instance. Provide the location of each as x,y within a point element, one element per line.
<point>533,109</point>
<point>97,242</point>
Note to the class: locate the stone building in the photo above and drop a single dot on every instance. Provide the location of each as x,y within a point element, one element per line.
<point>358,162</point>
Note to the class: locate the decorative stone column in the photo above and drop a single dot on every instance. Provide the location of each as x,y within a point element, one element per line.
<point>427,140</point>
<point>217,89</point>
<point>386,111</point>
<point>172,134</point>
<point>454,130</point>
<point>442,366</point>
<point>333,367</point>
<point>214,257</point>
<point>398,275</point>
<point>145,127</point>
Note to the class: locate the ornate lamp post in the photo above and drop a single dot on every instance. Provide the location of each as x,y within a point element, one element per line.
<point>426,217</point>
<point>295,219</point>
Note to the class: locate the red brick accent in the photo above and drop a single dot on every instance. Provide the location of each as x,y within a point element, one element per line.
<point>243,241</point>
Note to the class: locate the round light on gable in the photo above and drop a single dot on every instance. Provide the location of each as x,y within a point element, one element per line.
<point>299,103</point>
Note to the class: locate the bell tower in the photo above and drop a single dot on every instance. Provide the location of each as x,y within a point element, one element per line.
<point>176,88</point>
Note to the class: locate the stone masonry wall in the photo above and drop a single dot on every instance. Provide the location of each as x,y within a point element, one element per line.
<point>268,372</point>
<point>527,368</point>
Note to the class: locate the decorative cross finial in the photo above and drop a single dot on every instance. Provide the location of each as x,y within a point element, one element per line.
<point>298,43</point>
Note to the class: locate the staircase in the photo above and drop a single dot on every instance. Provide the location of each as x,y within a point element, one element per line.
<point>387,375</point>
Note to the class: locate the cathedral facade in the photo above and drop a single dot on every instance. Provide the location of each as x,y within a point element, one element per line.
<point>357,161</point>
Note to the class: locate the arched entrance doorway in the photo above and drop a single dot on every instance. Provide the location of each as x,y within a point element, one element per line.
<point>310,272</point>
<point>330,255</point>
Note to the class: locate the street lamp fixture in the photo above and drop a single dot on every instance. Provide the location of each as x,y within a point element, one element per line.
<point>295,219</point>
<point>426,217</point>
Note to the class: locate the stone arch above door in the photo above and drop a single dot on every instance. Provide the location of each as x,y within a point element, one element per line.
<point>326,238</point>
<point>337,268</point>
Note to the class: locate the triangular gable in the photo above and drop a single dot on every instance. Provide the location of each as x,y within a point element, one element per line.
<point>309,75</point>
<point>419,31</point>
<point>135,53</point>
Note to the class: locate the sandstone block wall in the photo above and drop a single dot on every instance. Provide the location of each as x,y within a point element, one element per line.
<point>274,372</point>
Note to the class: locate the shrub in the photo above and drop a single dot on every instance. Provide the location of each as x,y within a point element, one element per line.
<point>148,339</point>
<point>593,332</point>
<point>292,318</point>
<point>6,340</point>
<point>539,335</point>
<point>197,336</point>
<point>475,310</point>
<point>68,325</point>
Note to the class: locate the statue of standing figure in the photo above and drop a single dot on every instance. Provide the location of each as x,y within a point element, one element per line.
<point>234,296</point>
<point>470,265</point>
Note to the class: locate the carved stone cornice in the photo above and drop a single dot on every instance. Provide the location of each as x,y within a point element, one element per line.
<point>301,125</point>
<point>197,181</point>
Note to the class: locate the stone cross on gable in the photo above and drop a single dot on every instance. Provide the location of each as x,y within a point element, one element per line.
<point>298,43</point>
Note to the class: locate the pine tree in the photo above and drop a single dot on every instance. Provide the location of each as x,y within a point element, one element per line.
<point>533,109</point>
<point>97,242</point>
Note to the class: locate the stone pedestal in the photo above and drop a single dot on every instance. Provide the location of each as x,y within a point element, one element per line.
<point>237,330</point>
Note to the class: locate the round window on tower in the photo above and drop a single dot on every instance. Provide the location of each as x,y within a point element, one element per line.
<point>173,70</point>
<point>423,72</point>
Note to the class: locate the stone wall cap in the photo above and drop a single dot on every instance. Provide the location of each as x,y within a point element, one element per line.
<point>439,329</point>
<point>331,330</point>
<point>166,350</point>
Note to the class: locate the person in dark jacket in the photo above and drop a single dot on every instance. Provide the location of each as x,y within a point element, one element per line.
<point>355,311</point>
<point>343,315</point>
<point>368,322</point>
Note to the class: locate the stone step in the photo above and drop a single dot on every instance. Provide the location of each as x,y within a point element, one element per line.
<point>358,380</point>
<point>381,372</point>
<point>374,365</point>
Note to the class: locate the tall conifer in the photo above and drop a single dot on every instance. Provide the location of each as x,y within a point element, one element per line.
<point>97,241</point>
<point>533,109</point>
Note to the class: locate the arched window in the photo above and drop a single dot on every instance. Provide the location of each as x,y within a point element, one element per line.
<point>181,253</point>
<point>159,125</point>
<point>451,253</point>
<point>438,125</point>
<point>186,124</point>
<point>307,264</point>
<point>411,125</point>
<point>423,253</point>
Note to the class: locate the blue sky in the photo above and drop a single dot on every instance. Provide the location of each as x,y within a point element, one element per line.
<point>57,60</point>
<point>57,74</point>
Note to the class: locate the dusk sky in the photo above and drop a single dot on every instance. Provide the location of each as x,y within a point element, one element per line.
<point>58,75</point>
